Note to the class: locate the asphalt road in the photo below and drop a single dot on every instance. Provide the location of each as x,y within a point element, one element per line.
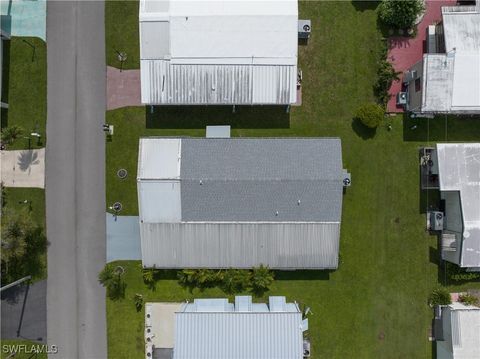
<point>75,178</point>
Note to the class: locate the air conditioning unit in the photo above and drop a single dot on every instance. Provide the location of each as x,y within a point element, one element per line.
<point>401,98</point>
<point>306,348</point>
<point>410,76</point>
<point>436,221</point>
<point>304,29</point>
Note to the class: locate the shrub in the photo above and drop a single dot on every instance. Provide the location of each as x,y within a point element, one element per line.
<point>370,114</point>
<point>457,274</point>
<point>11,133</point>
<point>468,299</point>
<point>386,74</point>
<point>235,281</point>
<point>400,14</point>
<point>439,296</point>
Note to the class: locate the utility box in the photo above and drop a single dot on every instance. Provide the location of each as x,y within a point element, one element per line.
<point>304,29</point>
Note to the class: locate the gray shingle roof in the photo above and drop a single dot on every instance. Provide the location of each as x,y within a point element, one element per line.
<point>246,179</point>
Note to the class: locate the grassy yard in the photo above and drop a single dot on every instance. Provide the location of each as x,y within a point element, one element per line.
<point>374,305</point>
<point>121,32</point>
<point>25,89</point>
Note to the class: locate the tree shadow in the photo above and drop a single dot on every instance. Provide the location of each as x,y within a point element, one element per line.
<point>303,275</point>
<point>365,5</point>
<point>363,131</point>
<point>26,159</point>
<point>196,117</point>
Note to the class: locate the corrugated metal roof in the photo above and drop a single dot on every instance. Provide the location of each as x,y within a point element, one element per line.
<point>193,84</point>
<point>238,334</point>
<point>459,170</point>
<point>218,52</point>
<point>240,245</point>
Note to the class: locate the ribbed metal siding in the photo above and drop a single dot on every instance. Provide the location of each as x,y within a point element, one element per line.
<point>240,245</point>
<point>238,335</point>
<point>166,83</point>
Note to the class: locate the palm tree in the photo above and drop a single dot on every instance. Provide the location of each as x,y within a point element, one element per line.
<point>11,133</point>
<point>111,278</point>
<point>262,278</point>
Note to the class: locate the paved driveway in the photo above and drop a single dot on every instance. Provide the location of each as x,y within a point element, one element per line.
<point>24,312</point>
<point>24,17</point>
<point>123,238</point>
<point>123,88</point>
<point>23,168</point>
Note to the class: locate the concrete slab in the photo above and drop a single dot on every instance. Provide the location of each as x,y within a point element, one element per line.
<point>123,88</point>
<point>123,238</point>
<point>23,168</point>
<point>162,323</point>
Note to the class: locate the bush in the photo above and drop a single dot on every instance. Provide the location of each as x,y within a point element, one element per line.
<point>400,14</point>
<point>235,281</point>
<point>468,299</point>
<point>386,74</point>
<point>439,296</point>
<point>11,133</point>
<point>370,114</point>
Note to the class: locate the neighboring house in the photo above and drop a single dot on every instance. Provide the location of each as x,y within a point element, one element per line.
<point>240,202</point>
<point>218,52</point>
<point>457,166</point>
<point>215,328</point>
<point>459,336</point>
<point>447,80</point>
<point>4,36</point>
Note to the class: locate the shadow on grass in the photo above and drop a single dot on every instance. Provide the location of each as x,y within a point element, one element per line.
<point>195,117</point>
<point>365,5</point>
<point>303,275</point>
<point>363,131</point>
<point>4,118</point>
<point>441,128</point>
<point>5,72</point>
<point>429,200</point>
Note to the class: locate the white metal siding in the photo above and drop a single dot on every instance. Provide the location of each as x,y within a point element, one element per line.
<point>195,84</point>
<point>240,245</point>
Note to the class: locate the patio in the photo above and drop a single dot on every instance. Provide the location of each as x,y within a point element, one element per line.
<point>404,52</point>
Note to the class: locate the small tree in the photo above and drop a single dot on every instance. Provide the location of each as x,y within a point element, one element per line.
<point>138,300</point>
<point>16,227</point>
<point>468,299</point>
<point>262,278</point>
<point>439,296</point>
<point>11,133</point>
<point>400,14</point>
<point>235,281</point>
<point>370,114</point>
<point>111,278</point>
<point>149,277</point>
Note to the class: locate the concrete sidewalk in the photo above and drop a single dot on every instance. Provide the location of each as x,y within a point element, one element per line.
<point>23,168</point>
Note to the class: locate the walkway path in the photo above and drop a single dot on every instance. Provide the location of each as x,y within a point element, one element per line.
<point>23,168</point>
<point>75,179</point>
<point>123,88</point>
<point>404,51</point>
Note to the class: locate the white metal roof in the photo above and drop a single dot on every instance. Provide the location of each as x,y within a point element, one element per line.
<point>203,332</point>
<point>451,81</point>
<point>459,170</point>
<point>461,326</point>
<point>218,52</point>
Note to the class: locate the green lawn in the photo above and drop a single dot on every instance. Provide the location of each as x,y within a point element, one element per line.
<point>374,305</point>
<point>24,352</point>
<point>25,88</point>
<point>121,32</point>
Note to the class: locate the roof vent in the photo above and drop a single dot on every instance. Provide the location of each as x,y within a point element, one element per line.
<point>276,213</point>
<point>298,202</point>
<point>201,182</point>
